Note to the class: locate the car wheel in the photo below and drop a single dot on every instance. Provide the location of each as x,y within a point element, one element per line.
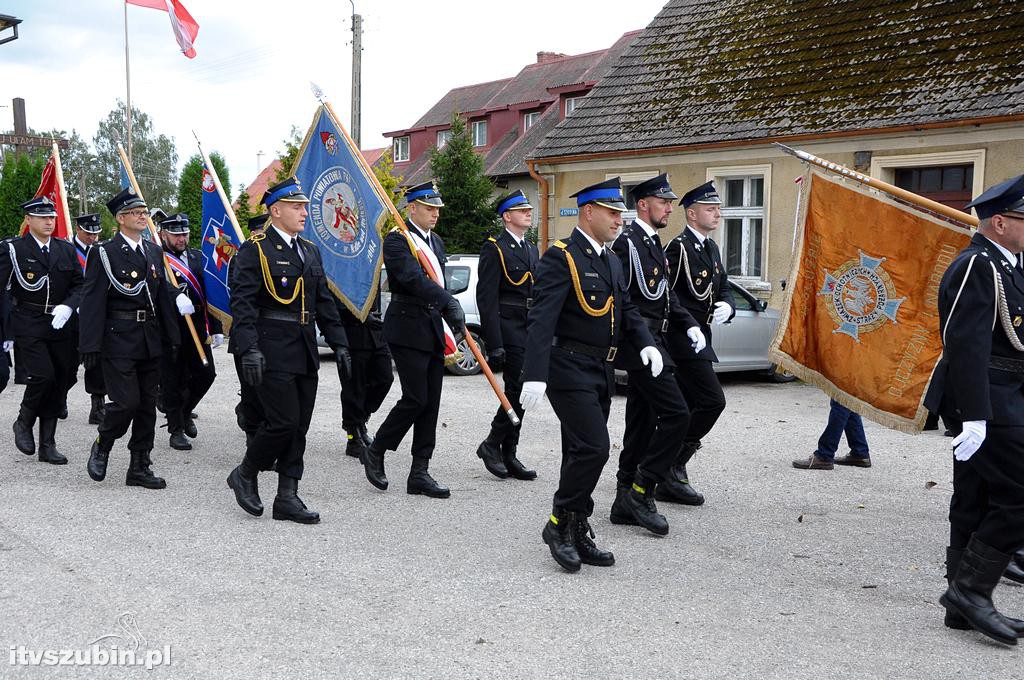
<point>780,375</point>
<point>468,364</point>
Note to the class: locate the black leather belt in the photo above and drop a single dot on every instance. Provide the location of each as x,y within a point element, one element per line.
<point>140,315</point>
<point>401,298</point>
<point>1006,364</point>
<point>34,306</point>
<point>516,302</point>
<point>301,318</point>
<point>657,325</point>
<point>606,353</point>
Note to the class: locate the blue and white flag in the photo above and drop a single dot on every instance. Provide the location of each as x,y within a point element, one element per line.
<point>345,212</point>
<point>220,245</point>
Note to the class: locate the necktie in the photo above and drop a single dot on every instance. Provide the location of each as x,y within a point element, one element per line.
<point>657,240</point>
<point>296,250</point>
<point>1020,262</point>
<point>46,255</point>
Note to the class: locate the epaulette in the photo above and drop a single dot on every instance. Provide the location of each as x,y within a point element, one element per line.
<point>492,239</point>
<point>258,236</point>
<point>559,244</point>
<point>306,240</point>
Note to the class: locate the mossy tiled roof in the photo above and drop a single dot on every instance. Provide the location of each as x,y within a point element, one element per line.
<point>707,71</point>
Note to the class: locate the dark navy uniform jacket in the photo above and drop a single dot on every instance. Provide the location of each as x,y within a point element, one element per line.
<point>121,337</point>
<point>504,290</point>
<point>287,345</point>
<point>704,262</point>
<point>970,382</point>
<point>202,319</point>
<point>28,314</point>
<point>557,313</point>
<point>413,317</point>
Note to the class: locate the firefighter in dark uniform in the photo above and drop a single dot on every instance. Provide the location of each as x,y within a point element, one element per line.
<point>184,383</point>
<point>364,391</point>
<point>979,381</point>
<point>700,282</point>
<point>87,233</point>
<point>504,293</point>
<point>415,335</point>
<point>248,411</point>
<point>5,344</point>
<point>656,412</point>
<point>581,314</point>
<point>279,292</point>
<point>45,287</point>
<point>127,317</point>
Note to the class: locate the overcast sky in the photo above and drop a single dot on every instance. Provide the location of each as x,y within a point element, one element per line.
<point>249,82</point>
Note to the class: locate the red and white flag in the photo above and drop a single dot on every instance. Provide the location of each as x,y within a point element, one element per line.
<point>428,260</point>
<point>50,186</point>
<point>184,26</point>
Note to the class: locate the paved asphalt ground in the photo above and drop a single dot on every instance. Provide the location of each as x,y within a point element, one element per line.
<point>782,574</point>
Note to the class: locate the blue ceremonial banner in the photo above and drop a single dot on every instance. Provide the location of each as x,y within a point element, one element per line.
<point>345,213</point>
<point>125,182</point>
<point>220,244</point>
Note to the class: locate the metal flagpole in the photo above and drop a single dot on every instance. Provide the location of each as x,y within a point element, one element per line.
<point>128,83</point>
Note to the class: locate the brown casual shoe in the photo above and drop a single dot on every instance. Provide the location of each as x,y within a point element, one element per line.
<point>812,463</point>
<point>853,461</point>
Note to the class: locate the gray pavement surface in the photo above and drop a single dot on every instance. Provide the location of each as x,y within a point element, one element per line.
<point>782,574</point>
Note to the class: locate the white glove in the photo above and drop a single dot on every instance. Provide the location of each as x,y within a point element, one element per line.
<point>184,304</point>
<point>697,338</point>
<point>218,340</point>
<point>61,314</point>
<point>8,345</point>
<point>652,357</point>
<point>533,392</point>
<point>722,312</point>
<point>970,440</point>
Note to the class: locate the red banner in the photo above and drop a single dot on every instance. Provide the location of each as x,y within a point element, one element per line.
<point>50,187</point>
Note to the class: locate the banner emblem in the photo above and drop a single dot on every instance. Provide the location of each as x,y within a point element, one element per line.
<point>862,296</point>
<point>337,213</point>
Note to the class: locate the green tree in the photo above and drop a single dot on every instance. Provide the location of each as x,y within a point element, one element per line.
<point>154,158</point>
<point>467,215</point>
<point>242,210</point>
<point>289,155</point>
<point>384,170</point>
<point>190,191</point>
<point>19,180</point>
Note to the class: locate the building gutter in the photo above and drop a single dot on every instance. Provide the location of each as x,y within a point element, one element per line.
<point>542,240</point>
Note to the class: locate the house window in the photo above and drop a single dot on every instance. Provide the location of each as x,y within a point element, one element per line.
<point>628,180</point>
<point>480,133</point>
<point>400,149</point>
<point>743,232</point>
<point>571,103</point>
<point>442,138</point>
<point>948,184</point>
<point>529,119</point>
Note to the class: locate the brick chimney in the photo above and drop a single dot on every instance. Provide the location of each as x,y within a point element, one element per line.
<point>545,57</point>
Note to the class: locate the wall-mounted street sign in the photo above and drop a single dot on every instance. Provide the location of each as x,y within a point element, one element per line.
<point>568,212</point>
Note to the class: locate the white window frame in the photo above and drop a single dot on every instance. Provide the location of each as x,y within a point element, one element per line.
<point>630,180</point>
<point>571,103</point>
<point>476,126</point>
<point>884,167</point>
<point>442,137</point>
<point>719,175</point>
<point>530,119</point>
<point>396,149</point>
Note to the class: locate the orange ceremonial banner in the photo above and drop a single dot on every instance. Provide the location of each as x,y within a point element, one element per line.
<point>860,319</point>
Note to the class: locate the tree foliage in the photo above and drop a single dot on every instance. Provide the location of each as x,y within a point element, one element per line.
<point>466,217</point>
<point>289,155</point>
<point>190,192</point>
<point>19,179</point>
<point>242,210</point>
<point>384,171</point>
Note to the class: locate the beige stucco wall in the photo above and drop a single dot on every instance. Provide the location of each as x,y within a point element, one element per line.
<point>1002,147</point>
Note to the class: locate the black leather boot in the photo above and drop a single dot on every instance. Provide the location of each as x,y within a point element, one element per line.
<point>176,427</point>
<point>588,551</point>
<point>955,620</point>
<point>489,452</point>
<point>98,457</point>
<point>421,483</point>
<point>677,489</point>
<point>373,465</point>
<point>140,473</point>
<point>23,425</point>
<point>288,505</point>
<point>188,422</point>
<point>355,446</point>
<point>97,410</point>
<point>242,481</point>
<point>970,591</point>
<point>558,535</point>
<point>515,466</point>
<point>48,452</point>
<point>1015,569</point>
<point>640,501</point>
<point>621,512</point>
<point>365,435</point>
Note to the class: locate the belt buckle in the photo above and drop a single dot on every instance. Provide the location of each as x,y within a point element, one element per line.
<point>612,351</point>
<point>304,318</point>
<point>664,325</point>
<point>529,302</point>
<point>140,315</point>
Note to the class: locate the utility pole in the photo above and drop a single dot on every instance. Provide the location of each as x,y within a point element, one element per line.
<point>81,192</point>
<point>259,162</point>
<point>357,67</point>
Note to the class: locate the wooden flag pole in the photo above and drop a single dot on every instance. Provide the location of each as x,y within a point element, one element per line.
<point>220,191</point>
<point>156,240</point>
<point>908,196</point>
<point>383,195</point>
<point>63,191</point>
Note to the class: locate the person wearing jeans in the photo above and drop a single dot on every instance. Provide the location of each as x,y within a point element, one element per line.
<point>840,420</point>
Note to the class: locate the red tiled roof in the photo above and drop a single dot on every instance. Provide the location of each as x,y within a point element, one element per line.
<point>260,184</point>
